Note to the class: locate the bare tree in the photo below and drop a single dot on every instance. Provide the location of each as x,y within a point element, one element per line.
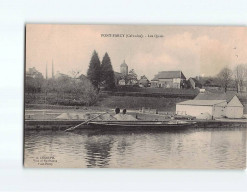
<point>225,77</point>
<point>240,73</point>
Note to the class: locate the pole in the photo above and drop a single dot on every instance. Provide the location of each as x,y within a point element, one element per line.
<point>72,128</point>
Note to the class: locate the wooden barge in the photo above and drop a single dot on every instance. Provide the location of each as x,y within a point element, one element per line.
<point>65,124</point>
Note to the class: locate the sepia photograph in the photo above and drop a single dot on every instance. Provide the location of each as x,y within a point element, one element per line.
<point>135,96</point>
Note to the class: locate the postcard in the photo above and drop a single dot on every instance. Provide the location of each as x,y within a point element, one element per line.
<point>135,96</point>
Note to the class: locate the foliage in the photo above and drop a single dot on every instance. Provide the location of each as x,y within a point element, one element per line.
<point>133,102</point>
<point>240,74</point>
<point>69,91</point>
<point>34,85</point>
<point>107,74</point>
<point>225,77</point>
<point>210,81</point>
<point>132,77</point>
<point>93,72</point>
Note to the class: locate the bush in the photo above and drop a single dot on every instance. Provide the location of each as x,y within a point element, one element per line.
<point>65,91</point>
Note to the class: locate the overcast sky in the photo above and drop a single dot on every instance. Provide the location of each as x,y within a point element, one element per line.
<point>194,50</point>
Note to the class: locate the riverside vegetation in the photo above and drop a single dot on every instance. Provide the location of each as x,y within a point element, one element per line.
<point>99,89</point>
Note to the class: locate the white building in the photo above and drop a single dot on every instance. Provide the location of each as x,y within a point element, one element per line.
<point>215,108</point>
<point>234,108</point>
<point>121,82</point>
<point>216,105</point>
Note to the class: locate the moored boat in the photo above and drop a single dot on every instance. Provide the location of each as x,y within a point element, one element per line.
<point>141,124</point>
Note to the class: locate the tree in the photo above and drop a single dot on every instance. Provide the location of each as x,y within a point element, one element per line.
<point>132,77</point>
<point>89,95</point>
<point>240,73</point>
<point>34,84</point>
<point>93,72</point>
<point>107,74</point>
<point>225,77</point>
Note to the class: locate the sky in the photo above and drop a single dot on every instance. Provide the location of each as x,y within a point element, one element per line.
<point>195,50</point>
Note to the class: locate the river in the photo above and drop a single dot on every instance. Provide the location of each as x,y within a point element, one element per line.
<point>188,149</point>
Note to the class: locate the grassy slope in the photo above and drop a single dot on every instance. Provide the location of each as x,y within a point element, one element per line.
<point>160,103</point>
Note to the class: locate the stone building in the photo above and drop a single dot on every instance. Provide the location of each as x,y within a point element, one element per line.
<point>33,73</point>
<point>144,82</point>
<point>169,79</point>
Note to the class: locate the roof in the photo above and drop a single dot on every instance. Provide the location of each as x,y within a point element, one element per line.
<point>144,77</point>
<point>143,80</point>
<point>169,75</point>
<point>215,96</point>
<point>196,81</point>
<point>201,102</point>
<point>117,74</point>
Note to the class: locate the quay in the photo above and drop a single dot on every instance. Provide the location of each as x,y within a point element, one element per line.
<point>57,125</point>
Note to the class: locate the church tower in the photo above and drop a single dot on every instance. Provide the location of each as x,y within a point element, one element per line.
<point>124,68</point>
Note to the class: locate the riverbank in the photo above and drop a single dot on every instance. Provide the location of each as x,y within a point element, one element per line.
<point>57,125</point>
<point>47,119</point>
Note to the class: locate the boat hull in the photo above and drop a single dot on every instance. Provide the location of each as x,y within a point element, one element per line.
<point>124,125</point>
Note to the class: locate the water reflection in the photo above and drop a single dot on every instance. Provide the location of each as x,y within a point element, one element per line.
<point>98,149</point>
<point>193,148</point>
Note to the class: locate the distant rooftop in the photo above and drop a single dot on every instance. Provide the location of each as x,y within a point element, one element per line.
<point>201,102</point>
<point>215,96</point>
<point>168,75</point>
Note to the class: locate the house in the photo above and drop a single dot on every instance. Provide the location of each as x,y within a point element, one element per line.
<point>194,83</point>
<point>60,75</point>
<point>118,76</point>
<point>214,108</point>
<point>121,82</point>
<point>169,79</point>
<point>212,104</point>
<point>144,82</point>
<point>33,73</point>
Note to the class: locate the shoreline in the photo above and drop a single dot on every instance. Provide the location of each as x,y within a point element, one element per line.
<point>46,119</point>
<point>60,125</point>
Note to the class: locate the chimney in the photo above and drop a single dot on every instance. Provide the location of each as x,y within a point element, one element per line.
<point>46,72</point>
<point>52,69</point>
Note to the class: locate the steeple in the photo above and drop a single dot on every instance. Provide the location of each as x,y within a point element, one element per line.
<point>46,72</point>
<point>52,69</point>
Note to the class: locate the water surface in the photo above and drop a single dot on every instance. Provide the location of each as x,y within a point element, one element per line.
<point>191,148</point>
